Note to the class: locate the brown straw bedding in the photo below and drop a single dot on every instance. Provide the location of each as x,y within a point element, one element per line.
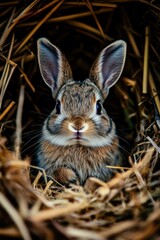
<point>33,207</point>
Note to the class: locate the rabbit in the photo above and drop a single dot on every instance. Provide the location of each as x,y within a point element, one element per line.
<point>78,138</point>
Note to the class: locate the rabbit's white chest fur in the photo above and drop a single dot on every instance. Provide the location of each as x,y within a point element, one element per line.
<point>79,138</point>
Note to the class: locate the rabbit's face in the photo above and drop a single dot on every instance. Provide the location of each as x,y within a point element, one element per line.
<point>79,117</point>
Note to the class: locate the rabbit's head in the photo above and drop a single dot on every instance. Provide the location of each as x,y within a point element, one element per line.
<point>79,117</point>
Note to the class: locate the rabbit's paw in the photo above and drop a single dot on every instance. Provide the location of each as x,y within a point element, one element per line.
<point>91,185</point>
<point>65,176</point>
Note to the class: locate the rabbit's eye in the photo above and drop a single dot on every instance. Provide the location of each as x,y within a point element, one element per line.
<point>58,107</point>
<point>98,107</point>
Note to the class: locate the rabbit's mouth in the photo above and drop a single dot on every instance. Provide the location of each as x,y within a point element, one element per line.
<point>78,135</point>
<point>78,138</point>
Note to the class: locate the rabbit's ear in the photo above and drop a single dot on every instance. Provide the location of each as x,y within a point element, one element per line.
<point>108,67</point>
<point>53,65</point>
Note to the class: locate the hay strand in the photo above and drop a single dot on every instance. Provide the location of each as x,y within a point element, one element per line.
<point>145,64</point>
<point>9,107</point>
<point>14,214</point>
<point>39,25</point>
<point>18,139</point>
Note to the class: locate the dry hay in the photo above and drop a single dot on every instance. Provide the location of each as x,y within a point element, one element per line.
<point>126,207</point>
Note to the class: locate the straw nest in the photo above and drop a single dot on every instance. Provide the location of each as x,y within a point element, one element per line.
<point>126,207</point>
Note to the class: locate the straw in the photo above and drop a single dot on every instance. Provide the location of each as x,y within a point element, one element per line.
<point>145,67</point>
<point>34,205</point>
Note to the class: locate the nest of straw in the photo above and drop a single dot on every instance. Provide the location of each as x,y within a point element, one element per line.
<point>126,207</point>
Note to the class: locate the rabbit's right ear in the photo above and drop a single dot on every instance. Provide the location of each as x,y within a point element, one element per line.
<point>53,65</point>
<point>108,66</point>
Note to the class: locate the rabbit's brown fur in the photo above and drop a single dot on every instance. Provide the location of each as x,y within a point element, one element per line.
<point>84,161</point>
<point>78,138</point>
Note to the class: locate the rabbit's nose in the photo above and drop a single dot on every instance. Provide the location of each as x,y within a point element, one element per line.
<point>78,124</point>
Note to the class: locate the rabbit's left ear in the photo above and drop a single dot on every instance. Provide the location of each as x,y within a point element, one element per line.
<point>109,65</point>
<point>53,65</point>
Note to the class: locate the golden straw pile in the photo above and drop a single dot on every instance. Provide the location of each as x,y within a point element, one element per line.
<point>33,207</point>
